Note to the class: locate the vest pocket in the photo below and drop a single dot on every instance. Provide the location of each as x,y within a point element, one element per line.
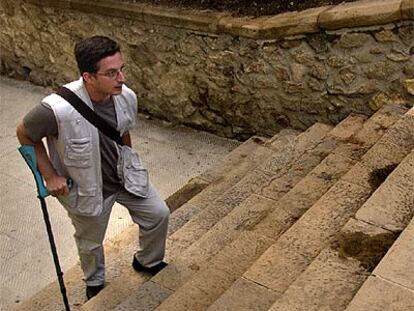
<point>82,201</point>
<point>132,173</point>
<point>136,181</point>
<point>78,152</point>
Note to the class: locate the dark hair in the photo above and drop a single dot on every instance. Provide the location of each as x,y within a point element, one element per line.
<point>90,51</point>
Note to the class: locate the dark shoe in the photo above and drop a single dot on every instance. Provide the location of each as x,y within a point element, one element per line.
<point>152,270</point>
<point>92,291</point>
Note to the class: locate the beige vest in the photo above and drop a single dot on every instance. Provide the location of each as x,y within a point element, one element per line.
<point>75,152</point>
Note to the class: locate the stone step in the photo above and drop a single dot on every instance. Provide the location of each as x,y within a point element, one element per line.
<point>297,146</point>
<point>391,285</point>
<point>335,276</point>
<point>379,294</point>
<point>246,215</point>
<point>392,208</point>
<point>245,156</point>
<point>332,283</point>
<point>223,268</point>
<point>397,265</point>
<point>289,208</point>
<point>370,127</point>
<point>253,152</point>
<point>222,176</point>
<point>235,165</point>
<point>216,207</point>
<point>200,292</point>
<point>226,174</point>
<point>329,283</point>
<point>282,263</point>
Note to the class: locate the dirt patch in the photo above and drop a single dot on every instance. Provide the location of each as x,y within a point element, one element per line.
<point>368,250</point>
<point>244,7</point>
<point>378,176</point>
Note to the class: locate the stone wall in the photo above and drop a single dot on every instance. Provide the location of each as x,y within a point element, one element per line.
<point>231,76</point>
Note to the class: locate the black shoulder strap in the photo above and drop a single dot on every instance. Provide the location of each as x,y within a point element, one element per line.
<point>89,114</point>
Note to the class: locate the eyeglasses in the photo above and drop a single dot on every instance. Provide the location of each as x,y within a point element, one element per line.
<point>112,73</point>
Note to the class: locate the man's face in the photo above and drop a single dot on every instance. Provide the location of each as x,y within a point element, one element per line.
<point>109,78</point>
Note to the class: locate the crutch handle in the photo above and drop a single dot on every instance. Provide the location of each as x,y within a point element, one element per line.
<point>29,155</point>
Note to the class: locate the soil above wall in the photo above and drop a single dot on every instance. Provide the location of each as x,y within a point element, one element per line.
<point>245,7</point>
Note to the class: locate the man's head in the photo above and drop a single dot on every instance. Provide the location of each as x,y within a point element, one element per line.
<point>90,51</point>
<point>101,65</point>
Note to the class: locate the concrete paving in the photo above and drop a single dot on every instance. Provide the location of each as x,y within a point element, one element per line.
<point>173,154</point>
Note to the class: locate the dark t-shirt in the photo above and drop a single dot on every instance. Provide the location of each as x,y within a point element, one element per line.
<point>41,122</point>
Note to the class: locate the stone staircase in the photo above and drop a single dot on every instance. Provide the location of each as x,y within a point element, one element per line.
<point>301,221</point>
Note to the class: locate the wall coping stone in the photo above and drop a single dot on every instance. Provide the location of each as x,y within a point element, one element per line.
<point>351,14</point>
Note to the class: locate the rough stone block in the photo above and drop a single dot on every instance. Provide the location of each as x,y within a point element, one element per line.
<point>279,266</point>
<point>382,159</point>
<point>409,83</point>
<point>242,26</point>
<point>276,141</point>
<point>62,4</point>
<point>224,269</point>
<point>189,190</point>
<point>245,295</point>
<point>291,151</point>
<point>118,292</point>
<point>375,127</point>
<point>313,136</point>
<point>348,127</point>
<point>360,13</point>
<point>237,256</point>
<point>231,175</point>
<point>407,9</point>
<point>292,174</point>
<point>400,133</point>
<point>186,19</point>
<point>410,112</point>
<point>351,151</point>
<point>182,216</point>
<point>378,295</point>
<point>251,183</point>
<point>292,23</point>
<point>111,8</point>
<point>243,217</point>
<point>297,201</point>
<point>213,211</point>
<point>388,115</point>
<point>283,184</point>
<point>398,264</point>
<point>184,301</point>
<point>391,206</point>
<point>169,277</point>
<point>329,283</point>
<point>247,151</point>
<point>146,298</point>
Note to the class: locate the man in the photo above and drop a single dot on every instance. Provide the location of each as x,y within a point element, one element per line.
<point>79,151</point>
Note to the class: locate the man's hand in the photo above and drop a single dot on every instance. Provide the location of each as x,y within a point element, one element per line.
<point>57,185</point>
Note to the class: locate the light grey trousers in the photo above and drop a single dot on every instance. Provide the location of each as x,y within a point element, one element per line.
<point>151,214</point>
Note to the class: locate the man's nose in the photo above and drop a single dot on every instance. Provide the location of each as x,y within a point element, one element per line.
<point>120,77</point>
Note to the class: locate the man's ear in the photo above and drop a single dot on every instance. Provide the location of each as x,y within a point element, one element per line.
<point>87,77</point>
